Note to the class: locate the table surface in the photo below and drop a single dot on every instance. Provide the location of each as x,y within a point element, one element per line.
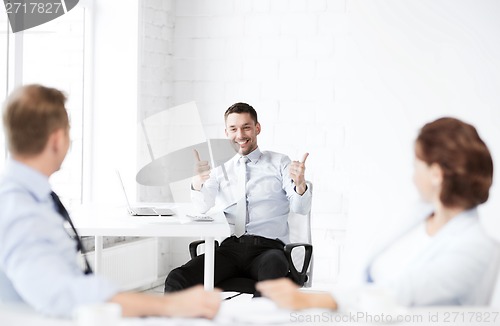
<point>101,220</point>
<point>245,310</point>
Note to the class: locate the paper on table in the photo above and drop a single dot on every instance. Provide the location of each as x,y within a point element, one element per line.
<point>252,311</point>
<point>165,321</point>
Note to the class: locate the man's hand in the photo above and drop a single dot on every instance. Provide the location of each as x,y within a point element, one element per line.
<point>297,170</point>
<point>201,171</point>
<point>192,302</point>
<point>286,294</point>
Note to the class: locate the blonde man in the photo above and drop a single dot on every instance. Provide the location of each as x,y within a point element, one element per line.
<point>38,263</point>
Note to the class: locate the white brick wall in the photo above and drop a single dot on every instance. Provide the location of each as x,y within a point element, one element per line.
<point>156,87</point>
<point>156,50</point>
<point>279,56</point>
<point>156,90</point>
<point>349,81</point>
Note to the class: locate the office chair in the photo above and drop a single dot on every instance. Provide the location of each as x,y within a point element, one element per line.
<point>298,254</point>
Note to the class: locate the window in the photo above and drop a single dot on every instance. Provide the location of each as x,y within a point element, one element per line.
<point>4,50</point>
<point>54,54</point>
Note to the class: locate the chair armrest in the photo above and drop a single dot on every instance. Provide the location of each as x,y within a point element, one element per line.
<point>299,277</point>
<point>193,247</point>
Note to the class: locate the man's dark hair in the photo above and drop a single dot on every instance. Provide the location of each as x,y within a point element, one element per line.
<point>241,108</point>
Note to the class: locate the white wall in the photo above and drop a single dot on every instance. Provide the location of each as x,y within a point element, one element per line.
<point>409,63</point>
<point>156,95</point>
<point>115,91</point>
<point>350,82</point>
<point>155,79</point>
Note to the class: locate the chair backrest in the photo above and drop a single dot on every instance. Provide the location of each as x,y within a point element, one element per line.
<point>300,232</point>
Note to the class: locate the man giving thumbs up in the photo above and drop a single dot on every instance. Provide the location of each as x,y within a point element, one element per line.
<point>257,190</point>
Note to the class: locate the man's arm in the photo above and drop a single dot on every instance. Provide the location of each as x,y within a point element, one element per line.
<point>192,302</point>
<point>39,259</point>
<point>204,186</point>
<point>295,186</point>
<point>36,255</point>
<point>297,171</point>
<point>287,295</point>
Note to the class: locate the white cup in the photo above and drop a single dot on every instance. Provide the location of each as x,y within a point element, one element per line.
<point>101,314</point>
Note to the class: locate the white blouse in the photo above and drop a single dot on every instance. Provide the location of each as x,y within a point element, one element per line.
<point>456,266</point>
<point>395,259</point>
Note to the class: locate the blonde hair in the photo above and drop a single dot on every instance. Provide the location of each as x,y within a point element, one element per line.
<point>31,114</point>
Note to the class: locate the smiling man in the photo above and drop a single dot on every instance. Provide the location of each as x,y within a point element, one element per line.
<point>257,189</point>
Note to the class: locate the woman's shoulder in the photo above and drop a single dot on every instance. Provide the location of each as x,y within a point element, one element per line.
<point>468,234</point>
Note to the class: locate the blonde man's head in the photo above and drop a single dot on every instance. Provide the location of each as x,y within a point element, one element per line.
<point>31,114</point>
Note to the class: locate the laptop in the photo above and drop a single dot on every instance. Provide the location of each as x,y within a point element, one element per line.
<point>144,211</point>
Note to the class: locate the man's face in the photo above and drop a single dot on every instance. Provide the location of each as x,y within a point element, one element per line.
<point>242,131</point>
<point>63,146</point>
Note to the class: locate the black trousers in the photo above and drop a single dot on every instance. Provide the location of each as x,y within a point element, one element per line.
<point>249,256</point>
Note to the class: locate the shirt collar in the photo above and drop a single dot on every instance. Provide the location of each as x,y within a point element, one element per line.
<point>255,155</point>
<point>468,214</point>
<point>29,178</point>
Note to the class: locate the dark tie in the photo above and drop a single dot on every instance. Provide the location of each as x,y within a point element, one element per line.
<point>64,213</point>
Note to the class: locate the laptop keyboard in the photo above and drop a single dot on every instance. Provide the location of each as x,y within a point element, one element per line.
<point>149,211</point>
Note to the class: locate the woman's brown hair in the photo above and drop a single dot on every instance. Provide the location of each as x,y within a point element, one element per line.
<point>464,158</point>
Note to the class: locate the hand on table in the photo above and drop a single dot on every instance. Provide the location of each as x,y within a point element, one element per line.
<point>286,294</point>
<point>193,302</point>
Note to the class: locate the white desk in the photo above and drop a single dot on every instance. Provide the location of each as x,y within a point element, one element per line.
<point>99,221</point>
<point>263,312</point>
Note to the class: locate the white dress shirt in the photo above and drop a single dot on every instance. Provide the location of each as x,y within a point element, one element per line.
<point>38,259</point>
<point>270,194</point>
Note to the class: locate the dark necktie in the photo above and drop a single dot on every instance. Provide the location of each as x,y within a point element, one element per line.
<point>64,213</point>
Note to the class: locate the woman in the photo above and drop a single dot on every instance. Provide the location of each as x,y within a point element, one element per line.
<point>445,256</point>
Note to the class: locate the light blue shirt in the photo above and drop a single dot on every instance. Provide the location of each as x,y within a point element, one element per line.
<point>270,194</point>
<point>38,259</point>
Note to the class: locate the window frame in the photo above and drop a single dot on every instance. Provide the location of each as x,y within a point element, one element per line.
<point>14,79</point>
